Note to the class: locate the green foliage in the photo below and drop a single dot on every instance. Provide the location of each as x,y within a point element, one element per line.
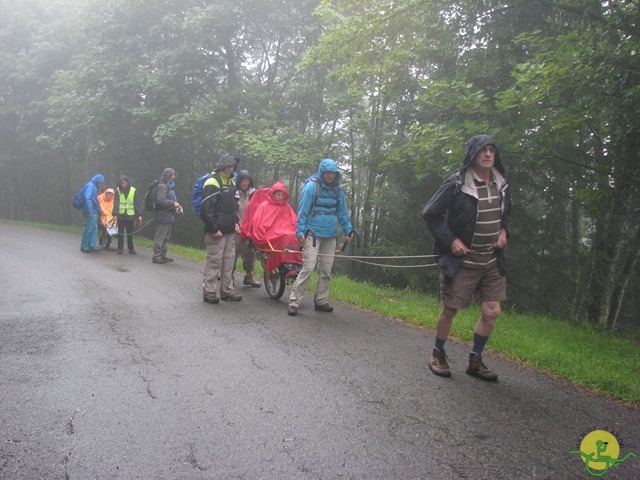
<point>282,148</point>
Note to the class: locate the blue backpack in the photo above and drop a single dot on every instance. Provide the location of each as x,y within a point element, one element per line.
<point>198,188</point>
<point>78,200</point>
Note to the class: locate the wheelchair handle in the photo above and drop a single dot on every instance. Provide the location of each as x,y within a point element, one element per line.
<point>344,245</point>
<point>313,235</point>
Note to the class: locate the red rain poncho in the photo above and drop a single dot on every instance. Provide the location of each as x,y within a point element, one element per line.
<point>271,224</point>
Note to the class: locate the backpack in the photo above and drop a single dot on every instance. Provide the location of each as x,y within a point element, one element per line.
<point>314,178</point>
<point>78,200</point>
<point>198,188</point>
<point>150,196</point>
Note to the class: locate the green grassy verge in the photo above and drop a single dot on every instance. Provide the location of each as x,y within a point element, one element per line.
<point>591,358</point>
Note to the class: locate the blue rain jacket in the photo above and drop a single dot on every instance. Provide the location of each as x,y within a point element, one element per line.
<point>91,204</point>
<point>324,213</point>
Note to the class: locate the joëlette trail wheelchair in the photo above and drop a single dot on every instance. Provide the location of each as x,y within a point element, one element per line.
<point>285,273</point>
<point>279,274</point>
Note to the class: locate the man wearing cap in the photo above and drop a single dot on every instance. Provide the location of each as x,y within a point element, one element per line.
<point>470,217</point>
<point>219,212</point>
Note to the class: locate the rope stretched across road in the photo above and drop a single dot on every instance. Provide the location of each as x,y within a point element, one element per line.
<point>361,258</point>
<point>356,258</point>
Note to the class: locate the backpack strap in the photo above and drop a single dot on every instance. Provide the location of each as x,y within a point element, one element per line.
<point>336,191</point>
<point>458,183</point>
<point>213,175</point>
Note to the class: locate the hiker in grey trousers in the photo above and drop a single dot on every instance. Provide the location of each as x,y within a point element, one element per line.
<point>164,215</point>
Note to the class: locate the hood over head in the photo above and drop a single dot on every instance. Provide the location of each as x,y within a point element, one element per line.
<point>97,178</point>
<point>329,165</point>
<point>474,145</point>
<point>241,175</point>
<point>126,179</point>
<point>226,160</point>
<point>166,173</point>
<point>279,186</point>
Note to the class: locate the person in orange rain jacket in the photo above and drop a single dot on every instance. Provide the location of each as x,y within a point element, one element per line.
<point>105,199</point>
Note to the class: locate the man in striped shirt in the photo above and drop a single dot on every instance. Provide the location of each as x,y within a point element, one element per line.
<point>470,217</point>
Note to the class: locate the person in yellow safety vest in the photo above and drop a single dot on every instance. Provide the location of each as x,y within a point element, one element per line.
<point>105,199</point>
<point>128,209</point>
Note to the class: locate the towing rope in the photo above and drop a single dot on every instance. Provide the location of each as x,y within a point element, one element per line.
<point>355,258</point>
<point>360,259</point>
<point>142,224</point>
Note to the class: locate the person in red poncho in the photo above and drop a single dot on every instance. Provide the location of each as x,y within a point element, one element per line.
<point>270,223</point>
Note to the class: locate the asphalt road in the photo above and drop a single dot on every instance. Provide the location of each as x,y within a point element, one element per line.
<point>112,367</point>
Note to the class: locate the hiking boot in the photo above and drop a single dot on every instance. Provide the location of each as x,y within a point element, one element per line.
<point>210,298</point>
<point>119,251</point>
<point>476,368</point>
<point>323,307</point>
<point>85,250</point>
<point>438,364</point>
<point>234,297</point>
<point>155,259</point>
<point>132,251</point>
<point>250,280</point>
<point>292,311</point>
<point>167,259</point>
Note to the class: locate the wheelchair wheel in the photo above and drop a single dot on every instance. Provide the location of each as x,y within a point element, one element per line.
<point>274,282</point>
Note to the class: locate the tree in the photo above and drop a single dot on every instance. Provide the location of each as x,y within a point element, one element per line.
<point>582,87</point>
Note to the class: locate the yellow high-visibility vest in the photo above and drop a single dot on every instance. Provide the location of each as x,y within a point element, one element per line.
<point>126,203</point>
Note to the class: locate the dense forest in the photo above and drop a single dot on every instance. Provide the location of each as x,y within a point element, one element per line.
<point>390,89</point>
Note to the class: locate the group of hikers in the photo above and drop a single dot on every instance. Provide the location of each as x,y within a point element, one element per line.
<point>226,195</point>
<point>237,217</point>
<point>104,209</point>
<point>469,217</point>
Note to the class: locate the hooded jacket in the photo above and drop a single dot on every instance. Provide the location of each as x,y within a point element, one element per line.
<point>106,206</point>
<point>324,213</point>
<point>219,206</point>
<point>273,226</point>
<point>243,197</point>
<point>452,211</point>
<point>165,198</point>
<point>91,204</point>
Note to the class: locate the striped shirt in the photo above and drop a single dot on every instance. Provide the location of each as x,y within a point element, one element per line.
<point>488,226</point>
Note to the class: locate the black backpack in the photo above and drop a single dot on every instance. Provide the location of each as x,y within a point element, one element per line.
<point>150,196</point>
